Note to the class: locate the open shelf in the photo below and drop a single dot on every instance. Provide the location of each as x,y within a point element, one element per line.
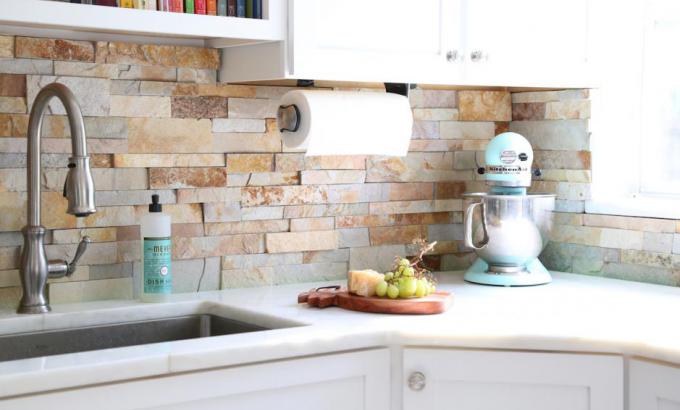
<point>87,22</point>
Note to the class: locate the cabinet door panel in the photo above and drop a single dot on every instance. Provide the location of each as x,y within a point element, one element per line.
<point>377,40</point>
<point>350,381</point>
<point>485,380</point>
<point>653,386</point>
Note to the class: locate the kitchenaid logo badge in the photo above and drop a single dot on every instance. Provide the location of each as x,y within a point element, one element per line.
<point>508,156</point>
<point>501,169</point>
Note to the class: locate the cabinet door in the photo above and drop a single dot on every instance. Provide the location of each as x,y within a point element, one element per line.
<point>375,41</point>
<point>487,380</point>
<point>653,386</point>
<point>526,42</point>
<point>351,381</point>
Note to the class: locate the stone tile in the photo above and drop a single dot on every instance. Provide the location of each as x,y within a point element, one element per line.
<point>199,107</point>
<point>425,129</point>
<point>25,66</point>
<point>252,108</point>
<point>189,230</point>
<point>568,135</point>
<point>353,237</point>
<point>13,105</point>
<point>111,271</point>
<point>416,167</point>
<point>109,216</point>
<point>202,195</point>
<point>250,163</point>
<point>81,69</point>
<point>661,260</point>
<point>75,235</point>
<point>406,234</point>
<point>566,175</point>
<point>222,211</point>
<point>198,57</point>
<point>53,49</point>
<point>641,273</point>
<point>139,54</point>
<point>196,275</point>
<point>238,125</point>
<point>13,125</point>
<point>128,233</point>
<point>260,260</point>
<point>569,109</point>
<point>149,73</point>
<point>458,261</point>
<point>410,207</point>
<point>140,106</point>
<point>445,232</point>
<point>241,142</point>
<point>262,213</point>
<point>169,135</point>
<point>338,255</point>
<point>410,191</point>
<point>676,243</point>
<point>547,96</point>
<point>380,258</point>
<point>93,94</point>
<point>333,177</point>
<point>196,75</point>
<point>621,239</point>
<point>217,89</point>
<point>435,145</point>
<point>484,105</point>
<point>232,228</point>
<point>268,179</point>
<point>466,130</point>
<point>435,114</point>
<point>630,223</point>
<point>312,224</point>
<point>432,98</point>
<point>562,159</point>
<point>167,160</point>
<point>91,290</point>
<point>528,111</point>
<point>180,213</point>
<point>105,179</point>
<point>301,241</point>
<point>657,242</point>
<point>6,46</point>
<point>392,220</point>
<point>174,178</point>
<point>468,160</point>
<point>312,211</point>
<point>289,162</point>
<point>288,195</point>
<point>271,276</point>
<point>207,246</point>
<point>135,197</point>
<point>12,85</point>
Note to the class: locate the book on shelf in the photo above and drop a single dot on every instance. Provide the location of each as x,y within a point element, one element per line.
<point>110,3</point>
<point>249,9</point>
<point>257,9</point>
<point>127,4</point>
<point>177,6</point>
<point>150,4</point>
<point>211,8</point>
<point>231,8</point>
<point>164,5</point>
<point>221,7</point>
<point>189,6</point>
<point>199,6</point>
<point>240,8</point>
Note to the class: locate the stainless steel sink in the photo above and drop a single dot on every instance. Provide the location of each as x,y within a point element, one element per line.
<point>52,342</point>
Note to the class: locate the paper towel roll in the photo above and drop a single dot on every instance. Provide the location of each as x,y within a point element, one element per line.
<point>349,123</point>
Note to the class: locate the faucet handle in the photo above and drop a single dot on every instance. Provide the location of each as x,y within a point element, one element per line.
<point>82,247</point>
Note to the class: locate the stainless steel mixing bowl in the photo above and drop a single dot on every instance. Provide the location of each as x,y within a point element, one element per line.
<point>510,230</point>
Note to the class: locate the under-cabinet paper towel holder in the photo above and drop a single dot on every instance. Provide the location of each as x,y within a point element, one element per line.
<point>288,116</point>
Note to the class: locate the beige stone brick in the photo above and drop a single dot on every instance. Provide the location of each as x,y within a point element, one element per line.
<point>314,177</point>
<point>93,94</point>
<point>630,223</point>
<point>281,275</point>
<point>583,235</point>
<point>169,135</point>
<point>258,226</point>
<point>244,142</point>
<point>301,241</point>
<point>466,130</point>
<point>218,89</point>
<point>6,46</point>
<point>202,195</point>
<point>262,213</point>
<point>566,175</point>
<point>252,108</point>
<point>238,125</point>
<point>311,211</point>
<point>432,98</point>
<point>140,106</point>
<point>222,211</point>
<point>167,160</point>
<point>180,213</point>
<point>290,162</point>
<point>334,162</point>
<point>173,178</point>
<point>82,69</point>
<point>312,224</point>
<point>198,57</point>
<point>140,54</point>
<point>568,109</point>
<point>25,66</point>
<point>13,105</point>
<point>435,114</point>
<point>435,145</point>
<point>109,216</point>
<point>91,290</point>
<point>397,234</point>
<point>268,179</point>
<point>416,167</point>
<point>149,73</point>
<point>202,247</point>
<point>250,163</point>
<point>484,105</point>
<point>354,221</point>
<point>284,195</point>
<point>53,49</point>
<point>63,236</point>
<point>410,207</point>
<point>621,239</point>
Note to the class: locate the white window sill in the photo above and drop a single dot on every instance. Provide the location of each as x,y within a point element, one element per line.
<point>642,206</point>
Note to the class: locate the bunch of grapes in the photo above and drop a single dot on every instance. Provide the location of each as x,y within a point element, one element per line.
<point>408,278</point>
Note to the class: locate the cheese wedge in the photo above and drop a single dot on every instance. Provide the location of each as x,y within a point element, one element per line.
<point>363,282</point>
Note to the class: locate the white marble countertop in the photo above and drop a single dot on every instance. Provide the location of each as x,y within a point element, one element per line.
<point>575,313</point>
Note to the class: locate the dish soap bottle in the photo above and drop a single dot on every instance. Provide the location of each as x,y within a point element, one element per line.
<point>156,274</point>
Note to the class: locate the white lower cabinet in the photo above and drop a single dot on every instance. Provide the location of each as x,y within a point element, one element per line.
<point>439,379</point>
<point>346,381</point>
<point>653,386</point>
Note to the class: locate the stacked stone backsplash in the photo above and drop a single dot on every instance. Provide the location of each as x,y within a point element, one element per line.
<point>245,212</point>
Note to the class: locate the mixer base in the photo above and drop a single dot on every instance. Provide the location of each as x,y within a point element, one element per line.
<point>534,273</point>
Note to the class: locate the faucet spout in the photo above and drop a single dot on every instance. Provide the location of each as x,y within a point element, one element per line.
<point>78,189</point>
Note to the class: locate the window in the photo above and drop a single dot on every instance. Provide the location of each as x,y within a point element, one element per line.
<point>636,112</point>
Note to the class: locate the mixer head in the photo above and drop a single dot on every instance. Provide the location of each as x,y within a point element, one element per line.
<point>508,164</point>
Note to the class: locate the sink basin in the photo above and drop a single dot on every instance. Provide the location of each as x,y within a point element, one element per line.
<point>53,342</point>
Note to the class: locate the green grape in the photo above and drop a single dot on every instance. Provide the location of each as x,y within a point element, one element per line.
<point>400,269</point>
<point>392,292</point>
<point>404,262</point>
<point>381,288</point>
<point>421,288</point>
<point>389,276</point>
<point>408,271</point>
<point>407,287</point>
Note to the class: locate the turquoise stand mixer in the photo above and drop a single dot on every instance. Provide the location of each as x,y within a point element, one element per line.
<point>511,227</point>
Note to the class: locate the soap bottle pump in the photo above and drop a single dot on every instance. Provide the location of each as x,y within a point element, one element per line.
<point>156,276</point>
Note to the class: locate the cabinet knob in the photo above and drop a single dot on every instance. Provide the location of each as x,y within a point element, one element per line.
<point>478,55</point>
<point>416,381</point>
<point>452,56</point>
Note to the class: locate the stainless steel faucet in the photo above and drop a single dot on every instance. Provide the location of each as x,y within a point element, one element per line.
<point>78,190</point>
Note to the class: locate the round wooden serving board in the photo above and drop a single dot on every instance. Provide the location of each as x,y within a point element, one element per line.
<point>437,302</point>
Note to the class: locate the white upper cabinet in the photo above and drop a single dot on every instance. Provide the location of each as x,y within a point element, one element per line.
<point>438,379</point>
<point>524,43</point>
<point>653,386</point>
